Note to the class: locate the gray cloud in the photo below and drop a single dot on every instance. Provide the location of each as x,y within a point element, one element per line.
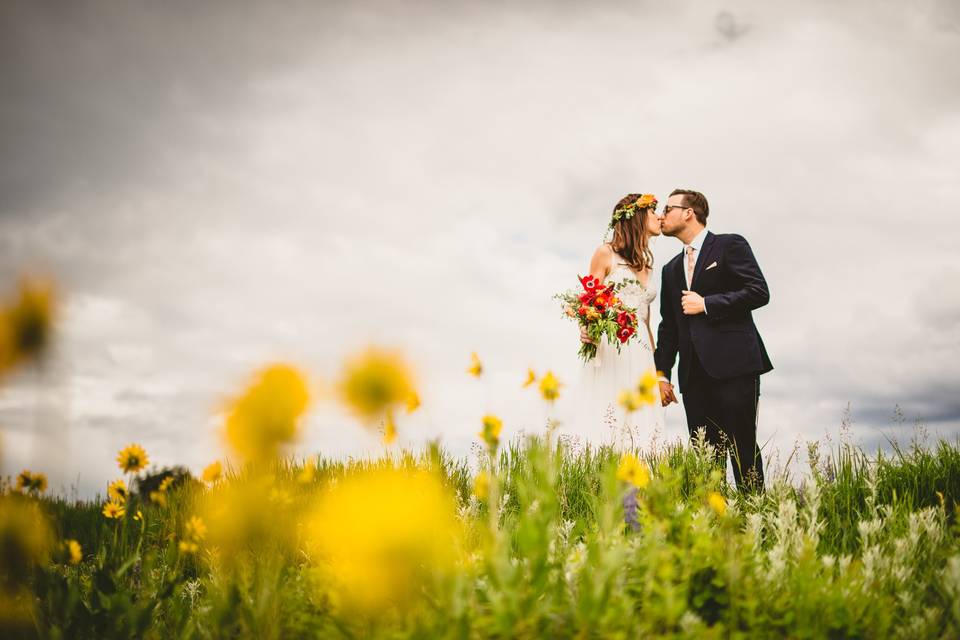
<point>216,187</point>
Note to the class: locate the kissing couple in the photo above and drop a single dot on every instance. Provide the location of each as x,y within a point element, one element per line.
<point>708,293</point>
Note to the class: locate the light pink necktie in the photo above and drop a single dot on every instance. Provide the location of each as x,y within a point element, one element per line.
<point>690,264</point>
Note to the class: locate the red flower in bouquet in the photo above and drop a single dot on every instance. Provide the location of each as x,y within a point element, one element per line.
<point>590,284</point>
<point>624,333</point>
<point>626,319</point>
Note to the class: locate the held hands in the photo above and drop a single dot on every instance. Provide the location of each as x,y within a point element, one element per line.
<point>584,337</point>
<point>692,303</point>
<point>666,393</point>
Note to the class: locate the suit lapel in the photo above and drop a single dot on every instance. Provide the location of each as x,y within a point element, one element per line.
<point>702,260</point>
<point>681,272</point>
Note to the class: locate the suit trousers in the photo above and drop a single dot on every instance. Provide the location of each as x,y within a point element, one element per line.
<point>728,411</point>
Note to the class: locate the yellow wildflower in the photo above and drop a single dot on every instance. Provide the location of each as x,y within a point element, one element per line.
<point>113,510</point>
<point>481,485</point>
<point>648,388</point>
<point>27,539</point>
<point>166,482</point>
<point>376,557</point>
<point>476,368</point>
<point>267,415</point>
<point>492,426</point>
<point>195,528</point>
<point>531,378</point>
<point>188,547</point>
<point>159,498</point>
<point>117,491</point>
<point>32,482</point>
<point>717,502</point>
<point>633,471</point>
<point>213,472</point>
<point>25,325</point>
<point>74,551</point>
<point>550,387</point>
<point>132,458</point>
<point>138,515</point>
<point>374,381</point>
<point>629,400</point>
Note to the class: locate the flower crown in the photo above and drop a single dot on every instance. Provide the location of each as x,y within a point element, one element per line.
<point>626,212</point>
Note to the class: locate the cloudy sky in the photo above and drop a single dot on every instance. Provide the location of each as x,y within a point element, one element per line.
<point>220,185</point>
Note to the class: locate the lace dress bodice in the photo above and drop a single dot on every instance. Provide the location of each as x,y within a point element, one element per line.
<point>635,295</point>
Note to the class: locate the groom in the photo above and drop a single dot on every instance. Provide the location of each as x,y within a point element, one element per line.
<point>707,294</point>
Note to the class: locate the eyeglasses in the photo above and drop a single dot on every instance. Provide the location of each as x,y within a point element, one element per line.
<point>667,207</point>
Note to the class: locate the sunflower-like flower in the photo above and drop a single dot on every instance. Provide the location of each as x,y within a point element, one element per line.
<point>213,472</point>
<point>717,502</point>
<point>267,416</point>
<point>74,551</point>
<point>26,323</point>
<point>648,388</point>
<point>113,510</point>
<point>32,481</point>
<point>117,491</point>
<point>195,528</point>
<point>492,425</point>
<point>476,367</point>
<point>374,385</point>
<point>132,458</point>
<point>550,387</point>
<point>629,400</point>
<point>633,471</point>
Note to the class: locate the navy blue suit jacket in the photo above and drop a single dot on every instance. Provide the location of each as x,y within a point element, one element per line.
<point>725,339</point>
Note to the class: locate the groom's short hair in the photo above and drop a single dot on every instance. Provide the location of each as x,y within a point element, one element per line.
<point>696,201</point>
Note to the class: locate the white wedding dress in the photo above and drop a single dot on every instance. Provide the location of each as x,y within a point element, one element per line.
<point>599,419</point>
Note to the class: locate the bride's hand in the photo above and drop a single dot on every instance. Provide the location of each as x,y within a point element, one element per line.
<point>584,337</point>
<point>666,393</point>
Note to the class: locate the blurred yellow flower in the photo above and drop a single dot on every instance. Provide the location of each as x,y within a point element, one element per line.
<point>550,387</point>
<point>629,400</point>
<point>213,472</point>
<point>633,471</point>
<point>492,426</point>
<point>26,539</point>
<point>266,417</point>
<point>158,498</point>
<point>413,402</point>
<point>74,551</point>
<point>113,510</point>
<point>648,388</point>
<point>381,537</point>
<point>26,323</point>
<point>375,380</point>
<point>132,458</point>
<point>32,482</point>
<point>481,485</point>
<point>138,515</point>
<point>117,491</point>
<point>717,502</point>
<point>166,483</point>
<point>188,547</point>
<point>195,528</point>
<point>476,368</point>
<point>531,378</point>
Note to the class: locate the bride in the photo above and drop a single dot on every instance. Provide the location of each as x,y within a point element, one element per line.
<point>601,420</point>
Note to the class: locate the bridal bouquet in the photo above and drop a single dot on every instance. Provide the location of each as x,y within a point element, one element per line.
<point>601,313</point>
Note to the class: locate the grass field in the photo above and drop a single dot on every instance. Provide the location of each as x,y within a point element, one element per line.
<point>591,544</point>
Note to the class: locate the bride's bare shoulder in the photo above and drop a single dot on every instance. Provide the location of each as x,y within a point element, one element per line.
<point>603,251</point>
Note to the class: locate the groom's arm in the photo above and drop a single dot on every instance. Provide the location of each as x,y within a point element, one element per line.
<point>666,352</point>
<point>752,292</point>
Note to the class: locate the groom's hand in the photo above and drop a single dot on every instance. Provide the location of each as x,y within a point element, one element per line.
<point>692,303</point>
<point>666,393</point>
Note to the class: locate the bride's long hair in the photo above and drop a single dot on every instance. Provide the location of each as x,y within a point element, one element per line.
<point>631,240</point>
